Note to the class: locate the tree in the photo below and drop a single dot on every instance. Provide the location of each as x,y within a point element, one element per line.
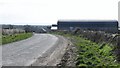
<point>27,28</point>
<point>10,26</point>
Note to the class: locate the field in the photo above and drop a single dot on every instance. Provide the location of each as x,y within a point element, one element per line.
<point>15,37</point>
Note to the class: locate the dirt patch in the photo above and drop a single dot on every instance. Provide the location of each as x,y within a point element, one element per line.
<point>69,57</point>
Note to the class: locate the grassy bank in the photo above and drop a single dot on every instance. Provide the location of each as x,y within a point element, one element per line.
<point>16,37</point>
<point>91,53</point>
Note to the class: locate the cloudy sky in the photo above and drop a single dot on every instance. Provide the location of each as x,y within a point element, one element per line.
<point>47,12</point>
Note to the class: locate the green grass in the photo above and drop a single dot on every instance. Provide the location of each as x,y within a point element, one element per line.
<point>0,39</point>
<point>16,37</point>
<point>91,53</point>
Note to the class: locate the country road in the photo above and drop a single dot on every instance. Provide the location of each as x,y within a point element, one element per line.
<point>39,50</point>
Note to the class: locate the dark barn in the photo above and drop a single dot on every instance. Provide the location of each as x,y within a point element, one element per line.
<point>107,26</point>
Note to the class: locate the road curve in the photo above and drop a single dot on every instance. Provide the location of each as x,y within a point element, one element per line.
<point>25,52</point>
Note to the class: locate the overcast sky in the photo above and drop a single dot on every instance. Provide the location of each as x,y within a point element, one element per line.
<point>47,12</point>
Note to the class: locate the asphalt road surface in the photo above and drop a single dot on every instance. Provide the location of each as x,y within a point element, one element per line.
<point>27,52</point>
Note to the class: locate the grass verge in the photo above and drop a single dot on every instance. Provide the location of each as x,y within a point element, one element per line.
<point>16,37</point>
<point>91,53</point>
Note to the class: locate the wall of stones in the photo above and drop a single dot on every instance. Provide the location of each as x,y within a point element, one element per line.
<point>12,31</point>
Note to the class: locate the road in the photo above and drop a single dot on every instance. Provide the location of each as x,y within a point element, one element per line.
<point>40,49</point>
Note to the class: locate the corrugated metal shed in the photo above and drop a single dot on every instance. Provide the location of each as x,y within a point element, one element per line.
<point>107,25</point>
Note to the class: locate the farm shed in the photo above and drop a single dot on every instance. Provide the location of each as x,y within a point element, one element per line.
<point>107,25</point>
